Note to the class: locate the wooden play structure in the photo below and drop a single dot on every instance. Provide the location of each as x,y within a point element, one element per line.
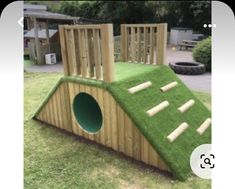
<point>138,116</point>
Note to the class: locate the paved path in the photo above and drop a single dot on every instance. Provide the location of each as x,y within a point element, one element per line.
<point>198,83</point>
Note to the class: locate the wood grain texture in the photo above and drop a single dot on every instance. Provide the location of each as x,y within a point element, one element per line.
<point>117,132</point>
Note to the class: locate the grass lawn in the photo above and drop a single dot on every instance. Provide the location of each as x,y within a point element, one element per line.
<point>54,159</point>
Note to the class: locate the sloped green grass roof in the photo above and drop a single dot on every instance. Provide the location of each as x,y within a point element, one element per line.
<point>177,154</point>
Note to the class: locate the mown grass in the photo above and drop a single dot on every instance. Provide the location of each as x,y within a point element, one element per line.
<point>55,159</point>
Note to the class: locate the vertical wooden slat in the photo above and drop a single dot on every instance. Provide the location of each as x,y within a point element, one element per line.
<point>72,95</point>
<point>113,124</point>
<point>139,44</point>
<point>64,50</point>
<point>121,129</point>
<point>144,150</point>
<point>82,89</point>
<point>107,52</point>
<point>161,43</point>
<point>71,52</point>
<point>88,63</point>
<point>132,44</point>
<point>91,51</point>
<point>101,103</point>
<point>81,34</point>
<point>123,43</point>
<point>77,52</point>
<point>67,109</point>
<point>58,102</point>
<point>136,143</point>
<point>97,53</point>
<point>145,45</point>
<point>153,157</point>
<point>107,119</point>
<point>151,45</point>
<point>129,136</point>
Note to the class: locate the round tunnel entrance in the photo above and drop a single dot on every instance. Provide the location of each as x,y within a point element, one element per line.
<point>87,112</point>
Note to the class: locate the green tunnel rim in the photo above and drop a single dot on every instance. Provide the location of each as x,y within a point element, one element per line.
<point>87,112</point>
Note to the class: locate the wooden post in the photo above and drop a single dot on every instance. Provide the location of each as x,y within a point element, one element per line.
<point>47,36</point>
<point>37,45</point>
<point>107,47</point>
<point>123,43</point>
<point>161,43</point>
<point>64,51</point>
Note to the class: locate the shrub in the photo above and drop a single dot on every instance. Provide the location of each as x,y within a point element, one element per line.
<point>202,53</point>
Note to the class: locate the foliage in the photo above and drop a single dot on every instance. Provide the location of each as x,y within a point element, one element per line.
<point>202,53</point>
<point>178,13</point>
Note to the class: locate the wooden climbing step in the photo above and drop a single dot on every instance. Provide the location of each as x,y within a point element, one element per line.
<point>158,108</point>
<point>177,132</point>
<point>169,86</point>
<point>139,87</point>
<point>204,126</point>
<point>186,106</point>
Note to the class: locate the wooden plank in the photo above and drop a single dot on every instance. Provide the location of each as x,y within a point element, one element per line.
<point>95,136</point>
<point>136,143</point>
<point>77,52</point>
<point>107,119</point>
<point>129,136</point>
<point>88,63</point>
<point>72,95</point>
<point>107,52</point>
<point>132,44</point>
<point>64,50</point>
<point>100,93</point>
<point>113,124</point>
<point>81,36</point>
<point>139,44</point>
<point>123,43</point>
<point>67,109</point>
<point>97,54</point>
<point>161,43</point>
<point>145,45</point>
<point>58,102</point>
<point>144,150</point>
<point>91,52</point>
<point>121,129</point>
<point>153,157</point>
<point>82,89</point>
<point>151,45</point>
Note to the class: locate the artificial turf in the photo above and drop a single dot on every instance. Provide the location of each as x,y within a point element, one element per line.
<point>177,154</point>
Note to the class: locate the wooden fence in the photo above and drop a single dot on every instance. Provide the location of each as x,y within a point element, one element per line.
<point>144,43</point>
<point>88,51</point>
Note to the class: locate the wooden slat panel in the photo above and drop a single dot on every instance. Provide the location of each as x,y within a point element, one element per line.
<point>81,37</point>
<point>144,150</point>
<point>101,103</point>
<point>107,119</point>
<point>151,45</point>
<point>145,45</point>
<point>161,43</point>
<point>82,89</point>
<point>77,51</point>
<point>91,52</point>
<point>139,44</point>
<point>132,44</point>
<point>141,25</point>
<point>67,109</point>
<point>113,124</point>
<point>58,102</point>
<point>129,136</point>
<point>121,129</point>
<point>136,143</point>
<point>88,63</point>
<point>97,54</point>
<point>107,46</point>
<point>123,43</point>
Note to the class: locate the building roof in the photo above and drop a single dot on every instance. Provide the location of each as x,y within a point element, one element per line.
<point>41,33</point>
<point>35,7</point>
